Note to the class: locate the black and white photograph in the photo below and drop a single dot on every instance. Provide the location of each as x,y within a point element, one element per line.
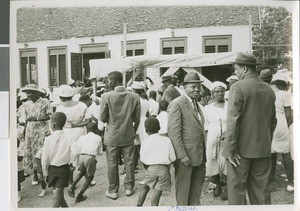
<point>169,105</point>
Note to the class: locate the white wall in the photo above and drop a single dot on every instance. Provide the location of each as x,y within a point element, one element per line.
<point>240,42</point>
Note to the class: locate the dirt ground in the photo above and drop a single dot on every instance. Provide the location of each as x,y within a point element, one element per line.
<point>96,196</point>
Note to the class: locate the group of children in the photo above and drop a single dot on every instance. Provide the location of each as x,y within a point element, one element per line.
<point>59,153</point>
<point>56,156</point>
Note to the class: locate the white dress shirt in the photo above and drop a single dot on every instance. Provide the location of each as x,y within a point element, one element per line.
<point>156,150</point>
<point>90,144</point>
<point>58,150</point>
<point>163,122</point>
<point>153,107</point>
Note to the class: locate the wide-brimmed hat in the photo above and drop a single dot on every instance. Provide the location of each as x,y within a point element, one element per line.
<point>65,91</point>
<point>265,75</point>
<point>138,85</point>
<point>192,77</point>
<point>281,77</point>
<point>166,78</point>
<point>32,87</point>
<point>233,77</point>
<point>216,84</point>
<point>246,59</point>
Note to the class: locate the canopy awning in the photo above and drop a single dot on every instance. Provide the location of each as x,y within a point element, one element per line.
<point>101,67</point>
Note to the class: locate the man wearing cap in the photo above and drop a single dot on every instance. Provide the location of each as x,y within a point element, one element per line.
<point>186,131</point>
<point>171,92</point>
<point>266,75</point>
<point>121,110</point>
<point>251,121</point>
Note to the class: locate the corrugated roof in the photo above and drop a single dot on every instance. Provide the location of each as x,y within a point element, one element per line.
<point>34,24</point>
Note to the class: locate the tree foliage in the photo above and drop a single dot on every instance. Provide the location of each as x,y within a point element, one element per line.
<point>272,39</point>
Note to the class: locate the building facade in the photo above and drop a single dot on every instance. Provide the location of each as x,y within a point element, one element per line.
<point>55,45</point>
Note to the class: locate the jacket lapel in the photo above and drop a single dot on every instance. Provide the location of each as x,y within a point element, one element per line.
<point>191,109</point>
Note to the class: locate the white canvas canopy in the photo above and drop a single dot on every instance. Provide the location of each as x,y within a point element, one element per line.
<point>101,67</point>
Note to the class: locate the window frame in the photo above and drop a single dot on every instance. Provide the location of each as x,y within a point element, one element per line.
<point>49,49</point>
<point>35,54</point>
<point>134,42</point>
<point>216,37</point>
<point>162,40</point>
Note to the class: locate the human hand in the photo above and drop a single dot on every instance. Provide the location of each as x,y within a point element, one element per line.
<point>185,161</point>
<point>235,160</point>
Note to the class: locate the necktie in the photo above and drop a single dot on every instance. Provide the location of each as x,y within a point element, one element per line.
<point>198,110</point>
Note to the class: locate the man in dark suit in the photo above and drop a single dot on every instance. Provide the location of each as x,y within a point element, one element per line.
<point>251,121</point>
<point>121,110</point>
<point>186,131</point>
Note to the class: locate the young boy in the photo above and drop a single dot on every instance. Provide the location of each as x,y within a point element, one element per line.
<point>58,152</point>
<point>157,153</point>
<point>89,146</point>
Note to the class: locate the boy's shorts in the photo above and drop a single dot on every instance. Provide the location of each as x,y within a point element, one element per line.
<point>158,177</point>
<point>59,176</point>
<point>87,164</point>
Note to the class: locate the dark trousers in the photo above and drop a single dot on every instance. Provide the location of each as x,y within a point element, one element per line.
<point>288,165</point>
<point>189,181</point>
<point>252,175</point>
<point>136,156</point>
<point>113,168</point>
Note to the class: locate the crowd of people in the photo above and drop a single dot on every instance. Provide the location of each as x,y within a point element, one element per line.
<point>231,135</point>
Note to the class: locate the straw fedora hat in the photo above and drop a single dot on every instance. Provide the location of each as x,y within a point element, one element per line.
<point>65,91</point>
<point>33,88</point>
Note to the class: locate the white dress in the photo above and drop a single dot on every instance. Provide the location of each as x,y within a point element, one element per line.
<point>213,116</point>
<point>75,114</point>
<point>141,131</point>
<point>281,137</point>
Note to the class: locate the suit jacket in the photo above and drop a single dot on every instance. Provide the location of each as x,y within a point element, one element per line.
<point>120,109</point>
<point>170,93</point>
<point>251,119</point>
<point>186,131</point>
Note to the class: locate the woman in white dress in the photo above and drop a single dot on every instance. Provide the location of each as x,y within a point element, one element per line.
<point>141,135</point>
<point>77,118</point>
<point>215,126</point>
<point>281,137</point>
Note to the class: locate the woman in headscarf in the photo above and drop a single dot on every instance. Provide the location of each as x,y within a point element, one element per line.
<point>215,126</point>
<point>77,118</point>
<point>281,139</point>
<point>36,114</point>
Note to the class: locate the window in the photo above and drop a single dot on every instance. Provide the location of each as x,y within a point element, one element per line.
<point>29,73</point>
<point>57,66</point>
<point>217,44</point>
<point>173,45</point>
<point>134,48</point>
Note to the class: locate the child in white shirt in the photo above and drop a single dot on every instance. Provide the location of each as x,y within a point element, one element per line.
<point>163,117</point>
<point>89,146</point>
<point>157,153</point>
<point>58,152</point>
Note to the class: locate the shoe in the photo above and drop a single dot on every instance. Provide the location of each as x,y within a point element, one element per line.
<point>80,198</point>
<point>224,195</point>
<point>33,182</point>
<point>217,191</point>
<point>93,183</point>
<point>290,188</point>
<point>113,196</point>
<point>42,194</point>
<point>129,192</point>
<point>71,192</point>
<point>142,182</point>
